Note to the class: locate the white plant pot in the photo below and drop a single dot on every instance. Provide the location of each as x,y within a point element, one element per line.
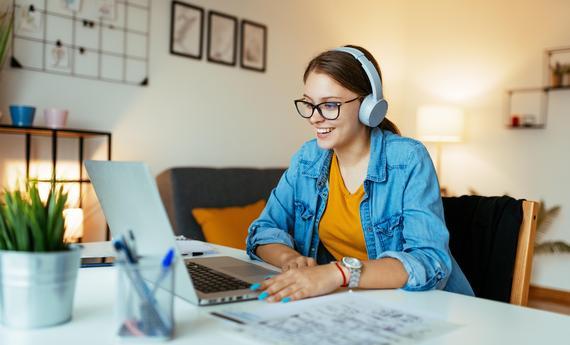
<point>37,289</point>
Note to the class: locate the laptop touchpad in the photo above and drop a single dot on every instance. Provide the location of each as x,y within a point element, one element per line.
<point>248,271</point>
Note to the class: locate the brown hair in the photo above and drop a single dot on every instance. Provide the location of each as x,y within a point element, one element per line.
<point>348,72</point>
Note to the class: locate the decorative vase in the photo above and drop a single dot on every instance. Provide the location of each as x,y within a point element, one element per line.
<point>22,115</point>
<point>37,289</point>
<point>55,118</point>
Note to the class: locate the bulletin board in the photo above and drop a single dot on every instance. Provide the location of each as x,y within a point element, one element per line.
<point>105,40</point>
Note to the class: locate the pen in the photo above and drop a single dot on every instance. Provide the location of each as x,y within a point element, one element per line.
<point>194,253</point>
<point>166,262</point>
<point>132,243</point>
<point>140,286</point>
<point>122,245</point>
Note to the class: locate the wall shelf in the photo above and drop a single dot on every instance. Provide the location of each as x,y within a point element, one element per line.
<point>55,135</point>
<point>527,127</point>
<point>537,118</point>
<point>536,89</point>
<point>46,131</point>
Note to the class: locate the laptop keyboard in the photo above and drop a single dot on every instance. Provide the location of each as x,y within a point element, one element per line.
<point>208,280</point>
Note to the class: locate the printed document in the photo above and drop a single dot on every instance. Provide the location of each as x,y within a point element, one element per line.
<point>345,318</point>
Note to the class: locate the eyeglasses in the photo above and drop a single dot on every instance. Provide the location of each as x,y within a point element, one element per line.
<point>328,110</point>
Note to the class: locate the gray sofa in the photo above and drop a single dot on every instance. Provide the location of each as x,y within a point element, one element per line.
<point>185,188</point>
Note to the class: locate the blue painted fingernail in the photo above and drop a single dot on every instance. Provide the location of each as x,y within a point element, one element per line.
<point>268,276</point>
<point>286,299</point>
<point>255,286</point>
<point>263,296</point>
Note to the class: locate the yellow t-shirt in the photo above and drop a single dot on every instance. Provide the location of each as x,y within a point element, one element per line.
<point>340,229</point>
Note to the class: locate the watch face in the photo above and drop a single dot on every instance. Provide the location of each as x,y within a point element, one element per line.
<point>352,262</point>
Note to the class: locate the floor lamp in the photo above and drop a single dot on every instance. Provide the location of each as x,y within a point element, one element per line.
<point>439,124</point>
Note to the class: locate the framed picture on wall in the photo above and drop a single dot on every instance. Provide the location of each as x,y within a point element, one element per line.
<point>222,38</point>
<point>186,29</point>
<point>253,46</point>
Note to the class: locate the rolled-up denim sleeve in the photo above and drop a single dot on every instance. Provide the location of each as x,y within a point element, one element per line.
<point>276,222</point>
<point>425,255</point>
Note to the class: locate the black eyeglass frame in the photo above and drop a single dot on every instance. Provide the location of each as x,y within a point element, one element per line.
<point>318,107</point>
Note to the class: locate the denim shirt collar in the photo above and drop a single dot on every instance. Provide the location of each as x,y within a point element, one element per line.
<point>315,162</point>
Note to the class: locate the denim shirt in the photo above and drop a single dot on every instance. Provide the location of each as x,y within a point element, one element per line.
<point>401,211</point>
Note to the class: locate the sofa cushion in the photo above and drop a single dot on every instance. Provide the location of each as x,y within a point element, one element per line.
<point>227,226</point>
<point>185,188</point>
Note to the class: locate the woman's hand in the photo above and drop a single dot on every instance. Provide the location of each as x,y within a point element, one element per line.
<point>299,283</point>
<point>280,255</point>
<point>297,261</point>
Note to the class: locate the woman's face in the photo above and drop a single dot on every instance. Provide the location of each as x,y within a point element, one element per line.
<point>339,133</point>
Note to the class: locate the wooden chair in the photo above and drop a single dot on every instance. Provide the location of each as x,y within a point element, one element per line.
<point>465,239</point>
<point>525,251</point>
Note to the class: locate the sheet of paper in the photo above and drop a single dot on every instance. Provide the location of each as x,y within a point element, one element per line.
<point>347,318</point>
<point>187,247</point>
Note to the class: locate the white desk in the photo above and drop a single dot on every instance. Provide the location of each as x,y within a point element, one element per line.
<point>483,321</point>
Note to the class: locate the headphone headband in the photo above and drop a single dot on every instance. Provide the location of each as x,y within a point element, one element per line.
<point>373,107</point>
<point>369,68</point>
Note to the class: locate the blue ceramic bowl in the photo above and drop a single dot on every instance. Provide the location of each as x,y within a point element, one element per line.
<point>22,115</point>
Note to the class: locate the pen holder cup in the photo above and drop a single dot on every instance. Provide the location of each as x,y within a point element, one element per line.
<point>145,300</point>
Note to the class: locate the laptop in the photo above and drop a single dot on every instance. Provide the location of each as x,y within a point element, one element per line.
<point>130,199</point>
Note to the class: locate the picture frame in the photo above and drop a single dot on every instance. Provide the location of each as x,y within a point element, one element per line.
<point>253,52</point>
<point>186,30</point>
<point>222,38</point>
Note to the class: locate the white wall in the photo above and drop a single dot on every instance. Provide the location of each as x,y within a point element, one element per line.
<point>465,53</point>
<point>193,112</point>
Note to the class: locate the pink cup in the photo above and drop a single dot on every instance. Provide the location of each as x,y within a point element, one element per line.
<point>55,118</point>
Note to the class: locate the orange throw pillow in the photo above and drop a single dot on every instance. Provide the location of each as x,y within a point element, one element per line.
<point>228,225</point>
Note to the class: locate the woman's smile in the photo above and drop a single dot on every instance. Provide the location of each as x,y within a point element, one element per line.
<point>323,132</point>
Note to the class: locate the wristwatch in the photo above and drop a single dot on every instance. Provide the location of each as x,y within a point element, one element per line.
<point>355,267</point>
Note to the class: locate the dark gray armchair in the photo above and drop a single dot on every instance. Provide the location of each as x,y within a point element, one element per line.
<point>185,188</point>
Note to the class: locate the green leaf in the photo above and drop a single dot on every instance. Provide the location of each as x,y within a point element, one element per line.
<point>552,247</point>
<point>16,220</point>
<point>38,235</point>
<point>6,233</point>
<point>28,224</point>
<point>546,217</point>
<point>60,228</point>
<point>55,220</point>
<point>5,243</point>
<point>37,205</point>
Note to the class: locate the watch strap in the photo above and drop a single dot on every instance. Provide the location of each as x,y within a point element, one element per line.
<point>354,279</point>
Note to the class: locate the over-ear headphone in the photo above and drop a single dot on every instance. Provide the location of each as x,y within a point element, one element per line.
<point>374,107</point>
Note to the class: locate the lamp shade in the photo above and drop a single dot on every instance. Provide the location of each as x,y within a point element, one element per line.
<point>438,123</point>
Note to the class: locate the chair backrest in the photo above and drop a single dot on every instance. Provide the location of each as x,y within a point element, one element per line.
<point>525,252</point>
<point>185,188</point>
<point>492,239</point>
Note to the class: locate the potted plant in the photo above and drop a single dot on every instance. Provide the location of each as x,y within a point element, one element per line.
<point>544,219</point>
<point>38,270</point>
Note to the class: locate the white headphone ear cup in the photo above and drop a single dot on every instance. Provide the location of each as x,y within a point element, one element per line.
<point>372,112</point>
<point>365,108</point>
<point>378,113</point>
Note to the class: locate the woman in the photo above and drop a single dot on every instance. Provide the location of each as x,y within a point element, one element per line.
<point>359,206</point>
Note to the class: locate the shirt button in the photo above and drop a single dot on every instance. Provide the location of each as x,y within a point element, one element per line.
<point>369,228</point>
